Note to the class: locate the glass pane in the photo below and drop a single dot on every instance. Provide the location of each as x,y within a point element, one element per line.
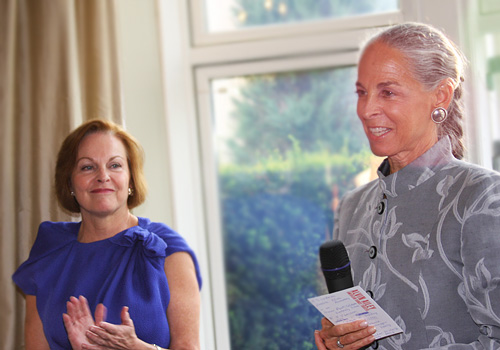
<point>492,45</point>
<point>288,146</point>
<point>228,15</point>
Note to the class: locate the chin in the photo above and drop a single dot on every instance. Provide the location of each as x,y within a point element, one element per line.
<point>378,152</point>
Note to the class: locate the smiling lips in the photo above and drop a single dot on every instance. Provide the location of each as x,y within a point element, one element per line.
<point>102,190</point>
<point>379,131</point>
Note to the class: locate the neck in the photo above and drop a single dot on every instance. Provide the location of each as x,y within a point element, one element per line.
<point>402,159</point>
<point>95,228</point>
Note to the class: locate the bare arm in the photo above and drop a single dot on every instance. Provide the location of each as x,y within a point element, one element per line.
<point>33,334</point>
<point>183,312</point>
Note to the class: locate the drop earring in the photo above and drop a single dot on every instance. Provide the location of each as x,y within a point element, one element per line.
<point>130,192</point>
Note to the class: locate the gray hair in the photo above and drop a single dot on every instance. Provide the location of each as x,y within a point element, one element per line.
<point>432,57</point>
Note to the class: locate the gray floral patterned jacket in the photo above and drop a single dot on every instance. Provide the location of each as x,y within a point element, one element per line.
<point>425,242</point>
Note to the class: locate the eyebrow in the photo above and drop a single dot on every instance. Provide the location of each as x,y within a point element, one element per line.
<point>387,83</point>
<point>91,159</point>
<point>381,85</point>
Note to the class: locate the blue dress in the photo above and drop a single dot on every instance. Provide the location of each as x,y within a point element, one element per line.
<point>124,270</point>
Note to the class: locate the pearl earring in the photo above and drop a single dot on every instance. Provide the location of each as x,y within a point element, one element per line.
<point>130,191</point>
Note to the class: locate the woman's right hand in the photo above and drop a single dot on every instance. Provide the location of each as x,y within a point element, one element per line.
<point>78,320</point>
<point>350,336</point>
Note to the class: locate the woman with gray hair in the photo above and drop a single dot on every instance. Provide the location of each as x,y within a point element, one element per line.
<point>423,238</point>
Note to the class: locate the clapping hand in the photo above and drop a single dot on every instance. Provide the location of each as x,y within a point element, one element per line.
<point>85,334</point>
<point>78,320</point>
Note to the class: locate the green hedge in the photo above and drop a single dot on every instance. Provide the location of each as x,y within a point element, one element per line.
<point>276,214</point>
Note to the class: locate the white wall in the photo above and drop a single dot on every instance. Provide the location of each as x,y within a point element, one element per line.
<point>143,103</point>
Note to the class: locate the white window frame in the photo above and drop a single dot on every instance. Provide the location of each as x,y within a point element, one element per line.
<point>202,37</point>
<point>482,104</point>
<point>204,76</point>
<point>192,58</point>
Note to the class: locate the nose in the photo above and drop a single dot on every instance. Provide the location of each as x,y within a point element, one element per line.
<point>368,107</point>
<point>103,175</point>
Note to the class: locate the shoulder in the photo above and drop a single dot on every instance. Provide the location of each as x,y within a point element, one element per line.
<point>158,228</point>
<point>175,242</point>
<point>59,227</point>
<point>51,238</point>
<point>473,176</point>
<point>470,187</point>
<point>53,235</point>
<point>361,193</point>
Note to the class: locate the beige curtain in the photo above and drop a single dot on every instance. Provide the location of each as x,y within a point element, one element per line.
<point>58,67</point>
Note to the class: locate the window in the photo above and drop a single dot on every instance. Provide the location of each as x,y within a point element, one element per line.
<point>261,208</point>
<point>229,15</point>
<point>224,21</point>
<point>285,146</point>
<point>483,119</point>
<point>280,144</point>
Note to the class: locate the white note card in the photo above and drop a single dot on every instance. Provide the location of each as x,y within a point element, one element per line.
<point>353,304</point>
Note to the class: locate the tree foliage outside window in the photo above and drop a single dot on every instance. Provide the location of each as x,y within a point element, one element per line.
<point>269,12</point>
<point>289,148</point>
<point>294,148</point>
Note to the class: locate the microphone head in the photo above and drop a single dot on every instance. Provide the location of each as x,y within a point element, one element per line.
<point>335,265</point>
<point>332,255</point>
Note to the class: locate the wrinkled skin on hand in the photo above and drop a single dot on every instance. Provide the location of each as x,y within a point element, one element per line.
<point>353,335</point>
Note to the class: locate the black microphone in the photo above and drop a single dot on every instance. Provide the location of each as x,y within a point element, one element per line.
<point>335,265</point>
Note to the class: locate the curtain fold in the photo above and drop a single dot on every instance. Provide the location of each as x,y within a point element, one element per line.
<point>59,67</point>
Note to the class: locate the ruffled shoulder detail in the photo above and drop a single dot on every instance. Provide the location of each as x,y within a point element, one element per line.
<point>53,236</point>
<point>153,245</point>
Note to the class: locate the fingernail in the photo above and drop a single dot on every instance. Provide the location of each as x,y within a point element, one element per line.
<point>364,324</point>
<point>373,329</point>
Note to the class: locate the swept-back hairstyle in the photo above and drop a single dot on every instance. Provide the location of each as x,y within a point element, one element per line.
<point>66,161</point>
<point>432,58</point>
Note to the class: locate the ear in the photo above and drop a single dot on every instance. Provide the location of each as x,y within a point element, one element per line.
<point>444,93</point>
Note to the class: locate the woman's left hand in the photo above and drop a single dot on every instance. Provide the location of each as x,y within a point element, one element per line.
<point>106,336</point>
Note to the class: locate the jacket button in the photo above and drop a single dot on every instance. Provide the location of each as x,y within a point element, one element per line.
<point>372,252</point>
<point>380,208</point>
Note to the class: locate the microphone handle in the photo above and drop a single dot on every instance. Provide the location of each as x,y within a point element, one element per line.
<point>334,285</point>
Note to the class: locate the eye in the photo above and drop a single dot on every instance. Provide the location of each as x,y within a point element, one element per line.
<point>115,166</point>
<point>387,93</point>
<point>360,92</point>
<point>86,167</point>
